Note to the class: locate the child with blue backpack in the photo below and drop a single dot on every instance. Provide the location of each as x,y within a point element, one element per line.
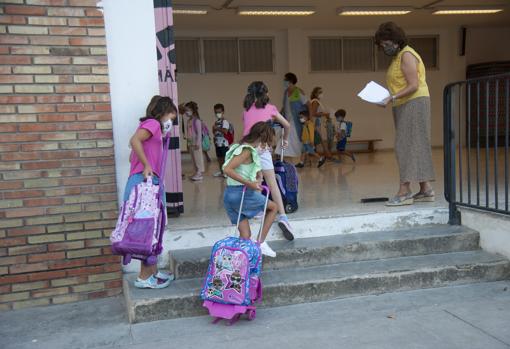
<point>145,160</point>
<point>243,168</point>
<point>343,130</point>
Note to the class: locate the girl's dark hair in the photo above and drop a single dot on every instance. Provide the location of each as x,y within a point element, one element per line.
<point>158,107</point>
<point>315,93</point>
<point>257,93</point>
<point>340,112</point>
<point>261,131</point>
<point>391,31</point>
<point>194,108</point>
<point>291,77</point>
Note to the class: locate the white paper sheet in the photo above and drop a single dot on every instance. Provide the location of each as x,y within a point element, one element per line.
<point>374,93</point>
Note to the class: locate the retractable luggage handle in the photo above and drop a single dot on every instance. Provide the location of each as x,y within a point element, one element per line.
<point>266,188</point>
<point>283,133</point>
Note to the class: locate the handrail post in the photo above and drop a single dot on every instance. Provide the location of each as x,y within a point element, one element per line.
<point>449,149</point>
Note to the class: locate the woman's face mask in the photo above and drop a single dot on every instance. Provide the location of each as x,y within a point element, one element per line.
<point>302,120</point>
<point>285,84</point>
<point>188,113</point>
<point>390,49</point>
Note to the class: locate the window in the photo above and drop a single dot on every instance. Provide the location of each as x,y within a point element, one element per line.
<point>358,54</point>
<point>224,55</point>
<point>426,46</point>
<point>220,56</point>
<point>188,55</point>
<point>326,54</point>
<point>256,55</point>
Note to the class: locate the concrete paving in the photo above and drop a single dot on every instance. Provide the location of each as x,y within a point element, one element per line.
<point>469,316</point>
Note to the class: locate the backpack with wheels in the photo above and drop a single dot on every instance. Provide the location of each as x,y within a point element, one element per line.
<point>232,285</point>
<point>287,180</point>
<point>142,219</point>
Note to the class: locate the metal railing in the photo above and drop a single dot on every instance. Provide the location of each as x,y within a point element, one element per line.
<point>476,143</point>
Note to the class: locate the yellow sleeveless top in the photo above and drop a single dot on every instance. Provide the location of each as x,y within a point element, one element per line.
<point>396,80</point>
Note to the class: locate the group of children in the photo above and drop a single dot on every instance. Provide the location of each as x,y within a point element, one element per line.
<point>338,131</point>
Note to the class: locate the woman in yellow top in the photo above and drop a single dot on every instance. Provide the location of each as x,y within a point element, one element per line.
<point>411,113</point>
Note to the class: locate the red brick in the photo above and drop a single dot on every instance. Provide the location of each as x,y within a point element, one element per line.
<point>19,137</point>
<point>56,117</point>
<point>80,181</point>
<point>9,242</point>
<point>39,146</point>
<point>13,39</point>
<point>13,19</point>
<point>68,31</point>
<point>78,126</point>
<point>93,98</point>
<point>15,59</point>
<point>113,284</point>
<point>67,264</point>
<point>73,88</point>
<point>24,212</point>
<point>62,246</point>
<point>96,135</point>
<point>46,257</point>
<point>48,2</point>
<point>94,116</point>
<point>86,22</point>
<point>87,41</point>
<point>102,107</point>
<point>102,88</point>
<point>12,279</point>
<point>113,267</point>
<point>40,155</point>
<point>27,249</point>
<point>7,128</point>
<point>42,202</point>
<point>16,79</point>
<point>10,185</point>
<point>37,108</point>
<point>28,268</point>
<point>85,271</point>
<point>103,260</point>
<point>58,136</point>
<point>61,173</point>
<point>4,50</point>
<point>5,69</point>
<point>23,194</point>
<point>41,165</point>
<point>93,13</point>
<point>9,147</point>
<point>97,294</point>
<point>35,230</point>
<point>35,127</point>
<point>16,99</point>
<point>66,12</point>
<point>49,275</point>
<point>24,10</point>
<point>55,99</point>
<point>5,289</point>
<point>52,60</point>
<point>49,40</point>
<point>66,108</point>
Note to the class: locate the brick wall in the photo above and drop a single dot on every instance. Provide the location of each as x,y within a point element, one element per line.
<point>57,172</point>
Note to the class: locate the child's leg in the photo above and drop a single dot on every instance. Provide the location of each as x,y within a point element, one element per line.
<point>193,160</point>
<point>244,229</point>
<point>270,178</point>
<point>199,157</point>
<point>271,212</point>
<point>146,271</point>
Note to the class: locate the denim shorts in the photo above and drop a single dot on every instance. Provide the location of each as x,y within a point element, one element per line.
<point>308,149</point>
<point>253,204</point>
<point>136,179</point>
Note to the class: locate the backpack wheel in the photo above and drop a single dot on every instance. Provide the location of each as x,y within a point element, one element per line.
<point>252,314</point>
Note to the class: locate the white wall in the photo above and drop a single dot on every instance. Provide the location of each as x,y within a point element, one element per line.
<point>487,45</point>
<point>131,47</point>
<point>340,88</point>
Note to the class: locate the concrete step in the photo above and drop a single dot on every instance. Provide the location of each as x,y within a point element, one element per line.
<point>434,239</point>
<point>318,283</point>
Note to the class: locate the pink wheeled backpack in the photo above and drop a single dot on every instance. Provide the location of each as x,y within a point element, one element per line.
<point>142,219</point>
<point>232,285</point>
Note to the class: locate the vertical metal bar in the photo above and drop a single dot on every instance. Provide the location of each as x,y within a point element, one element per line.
<point>478,144</point>
<point>449,151</point>
<point>487,155</point>
<point>496,135</point>
<point>507,131</point>
<point>469,141</point>
<point>459,133</point>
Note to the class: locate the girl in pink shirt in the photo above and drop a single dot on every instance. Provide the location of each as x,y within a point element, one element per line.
<point>146,157</point>
<point>257,108</point>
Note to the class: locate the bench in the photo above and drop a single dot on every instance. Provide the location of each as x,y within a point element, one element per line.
<point>368,142</point>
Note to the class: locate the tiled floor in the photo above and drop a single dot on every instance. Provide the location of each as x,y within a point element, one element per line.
<point>333,190</point>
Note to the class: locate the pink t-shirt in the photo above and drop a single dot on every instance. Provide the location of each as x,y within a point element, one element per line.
<point>254,115</point>
<point>152,147</point>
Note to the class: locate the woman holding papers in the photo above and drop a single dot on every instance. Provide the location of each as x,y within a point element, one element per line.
<point>410,100</point>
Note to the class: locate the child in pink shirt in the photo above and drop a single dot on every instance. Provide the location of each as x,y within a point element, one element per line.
<point>257,108</point>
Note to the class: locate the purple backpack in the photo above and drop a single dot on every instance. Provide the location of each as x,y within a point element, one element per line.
<point>139,230</point>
